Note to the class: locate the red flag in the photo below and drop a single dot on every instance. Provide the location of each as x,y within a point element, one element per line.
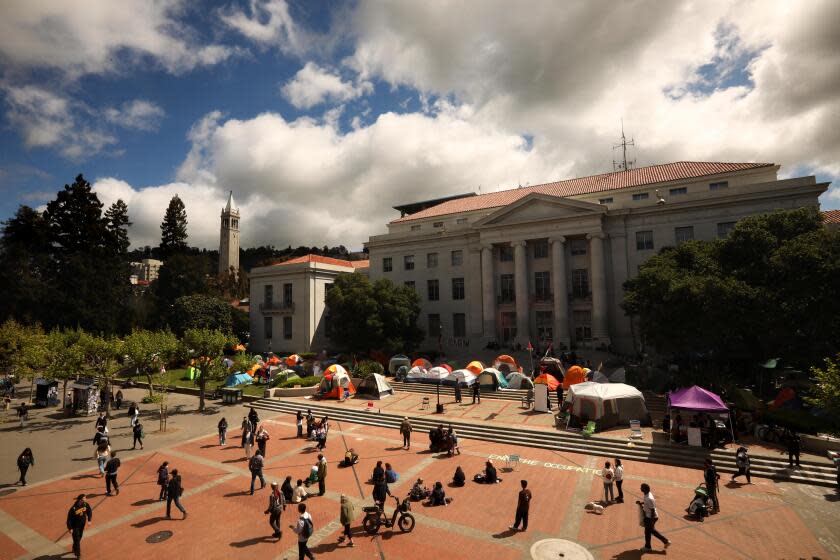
<point>530,348</point>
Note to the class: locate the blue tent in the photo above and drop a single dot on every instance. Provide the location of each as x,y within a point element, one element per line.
<point>238,378</point>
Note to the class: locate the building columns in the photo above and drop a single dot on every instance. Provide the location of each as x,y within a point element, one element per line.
<point>600,331</point>
<point>488,293</point>
<point>520,282</point>
<point>560,288</point>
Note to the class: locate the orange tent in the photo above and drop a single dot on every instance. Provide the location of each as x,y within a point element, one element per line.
<point>574,375</point>
<point>447,367</point>
<point>293,360</point>
<point>274,361</point>
<point>422,363</point>
<point>239,348</point>
<point>546,379</point>
<point>335,383</point>
<point>475,367</point>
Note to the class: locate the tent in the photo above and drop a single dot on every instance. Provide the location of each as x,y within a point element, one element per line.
<point>574,375</point>
<point>336,384</point>
<point>238,378</point>
<point>397,361</point>
<point>509,362</point>
<point>475,367</point>
<point>552,366</point>
<point>437,373</point>
<point>744,399</point>
<point>607,404</point>
<point>598,377</point>
<point>375,386</point>
<point>421,363</point>
<point>697,399</point>
<point>281,376</point>
<point>293,360</point>
<point>547,379</point>
<point>464,377</point>
<point>273,360</point>
<point>447,367</point>
<point>518,380</point>
<point>492,379</point>
<point>618,376</point>
<point>786,399</point>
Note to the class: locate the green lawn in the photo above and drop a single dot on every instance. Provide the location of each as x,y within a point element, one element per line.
<point>178,378</point>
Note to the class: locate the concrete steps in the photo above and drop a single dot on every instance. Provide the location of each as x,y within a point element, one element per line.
<point>811,473</point>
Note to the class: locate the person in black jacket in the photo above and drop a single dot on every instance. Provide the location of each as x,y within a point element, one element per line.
<point>476,392</point>
<point>78,516</point>
<point>222,426</point>
<point>137,430</point>
<point>459,479</point>
<point>287,489</point>
<point>25,460</point>
<point>111,468</point>
<point>794,448</point>
<point>173,494</point>
<point>711,477</point>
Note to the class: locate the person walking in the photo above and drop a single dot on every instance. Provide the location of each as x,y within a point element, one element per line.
<point>163,480</point>
<point>101,421</point>
<point>299,421</point>
<point>100,435</point>
<point>118,399</point>
<point>322,474</point>
<point>405,430</point>
<point>523,504</point>
<point>25,460</point>
<point>245,425</point>
<point>276,505</point>
<point>137,430</point>
<point>174,489</point>
<point>222,426</point>
<point>310,423</point>
<point>249,440</point>
<point>79,515</point>
<point>608,474</point>
<point>458,396</point>
<point>102,454</point>
<point>22,413</point>
<point>253,418</point>
<point>559,391</point>
<point>111,468</point>
<point>619,480</point>
<point>262,440</point>
<point>255,465</point>
<point>476,393</point>
<point>304,529</point>
<point>453,436</point>
<point>794,445</point>
<point>348,514</point>
<point>712,478</point>
<point>288,491</point>
<point>742,461</point>
<point>650,517</point>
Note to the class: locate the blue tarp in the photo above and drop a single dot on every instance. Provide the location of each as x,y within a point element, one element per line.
<point>238,378</point>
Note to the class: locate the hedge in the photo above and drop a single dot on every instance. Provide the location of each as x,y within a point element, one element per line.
<point>302,381</point>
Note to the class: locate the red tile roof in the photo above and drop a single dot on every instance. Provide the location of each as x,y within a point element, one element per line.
<point>585,185</point>
<point>831,216</point>
<point>310,258</point>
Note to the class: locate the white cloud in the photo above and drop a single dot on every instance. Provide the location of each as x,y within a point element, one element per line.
<point>267,23</point>
<point>138,114</point>
<point>313,85</point>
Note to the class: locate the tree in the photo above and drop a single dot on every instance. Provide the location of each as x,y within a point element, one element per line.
<point>148,351</point>
<point>101,356</point>
<point>200,312</point>
<point>826,389</point>
<point>117,219</point>
<point>24,265</point>
<point>181,275</point>
<point>363,316</point>
<point>23,350</point>
<point>206,347</point>
<point>173,229</point>
<point>65,358</point>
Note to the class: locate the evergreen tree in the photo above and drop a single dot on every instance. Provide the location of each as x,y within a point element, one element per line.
<point>173,229</point>
<point>24,262</point>
<point>117,217</point>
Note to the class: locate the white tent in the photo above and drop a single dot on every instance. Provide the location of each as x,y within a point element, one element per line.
<point>434,375</point>
<point>492,379</point>
<point>462,376</point>
<point>375,386</point>
<point>608,404</point>
<point>518,380</point>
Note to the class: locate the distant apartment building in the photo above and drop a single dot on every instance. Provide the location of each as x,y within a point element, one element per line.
<point>145,271</point>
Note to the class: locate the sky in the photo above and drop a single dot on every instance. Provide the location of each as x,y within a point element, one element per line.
<point>320,116</point>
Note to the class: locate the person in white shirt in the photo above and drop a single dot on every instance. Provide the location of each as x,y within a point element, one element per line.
<point>608,474</point>
<point>304,530</point>
<point>619,480</point>
<point>651,516</point>
<point>299,494</point>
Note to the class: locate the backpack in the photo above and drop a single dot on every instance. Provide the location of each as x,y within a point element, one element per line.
<point>253,465</point>
<point>306,532</point>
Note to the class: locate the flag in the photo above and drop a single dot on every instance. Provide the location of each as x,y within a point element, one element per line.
<point>530,347</point>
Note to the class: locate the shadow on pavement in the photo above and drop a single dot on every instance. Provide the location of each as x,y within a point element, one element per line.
<point>251,542</point>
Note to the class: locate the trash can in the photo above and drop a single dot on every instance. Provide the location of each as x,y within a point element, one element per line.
<point>231,395</point>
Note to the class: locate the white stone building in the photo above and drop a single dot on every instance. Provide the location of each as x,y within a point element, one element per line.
<point>548,262</point>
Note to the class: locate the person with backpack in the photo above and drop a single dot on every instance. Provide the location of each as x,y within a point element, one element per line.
<point>255,465</point>
<point>619,480</point>
<point>174,489</point>
<point>711,477</point>
<point>137,431</point>
<point>322,474</point>
<point>304,529</point>
<point>742,461</point>
<point>405,430</point>
<point>163,480</point>
<point>276,505</point>
<point>111,468</point>
<point>348,514</point>
<point>523,504</point>
<point>608,474</point>
<point>102,454</point>
<point>25,460</point>
<point>310,423</point>
<point>79,515</point>
<point>222,426</point>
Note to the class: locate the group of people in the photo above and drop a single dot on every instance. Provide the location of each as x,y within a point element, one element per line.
<point>441,439</point>
<point>316,430</point>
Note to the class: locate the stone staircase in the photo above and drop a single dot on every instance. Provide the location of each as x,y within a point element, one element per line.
<point>814,473</point>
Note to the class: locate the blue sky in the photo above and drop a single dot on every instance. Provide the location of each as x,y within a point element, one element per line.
<point>322,115</point>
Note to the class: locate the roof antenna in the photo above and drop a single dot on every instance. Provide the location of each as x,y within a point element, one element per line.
<point>623,164</point>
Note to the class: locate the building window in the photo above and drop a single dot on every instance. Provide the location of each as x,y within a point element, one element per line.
<point>508,327</point>
<point>719,185</point>
<point>580,283</point>
<point>678,191</point>
<point>437,224</point>
<point>434,325</point>
<point>416,228</point>
<point>683,234</point>
<point>387,264</point>
<point>608,200</point>
<point>457,288</point>
<point>644,240</point>
<point>408,262</point>
<point>505,253</point>
<point>409,284</point>
<point>583,325</point>
<point>641,196</point>
<point>433,289</point>
<point>578,246</point>
<point>287,327</point>
<point>724,228</point>
<point>542,286</point>
<point>545,326</point>
<point>506,286</point>
<point>459,325</point>
<point>431,260</point>
<point>268,327</point>
<point>461,221</point>
<point>541,250</point>
<point>287,295</point>
<point>457,257</point>
<point>268,294</point>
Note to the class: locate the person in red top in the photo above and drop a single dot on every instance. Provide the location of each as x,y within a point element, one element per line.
<point>522,506</point>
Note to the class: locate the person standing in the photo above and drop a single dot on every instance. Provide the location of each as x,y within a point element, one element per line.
<point>245,425</point>
<point>102,454</point>
<point>619,480</point>
<point>304,530</point>
<point>458,397</point>
<point>173,494</point>
<point>137,430</point>
<point>136,415</point>
<point>222,426</point>
<point>22,413</point>
<point>559,391</point>
<point>249,440</point>
<point>523,504</point>
<point>299,421</point>
<point>711,477</point>
<point>322,474</point>
<point>742,461</point>
<point>476,392</point>
<point>348,514</point>
<point>163,480</point>
<point>253,418</point>
<point>25,460</point>
<point>276,505</point>
<point>650,517</point>
<point>310,423</point>
<point>79,515</point>
<point>262,440</point>
<point>119,399</point>
<point>793,448</point>
<point>287,490</point>
<point>453,436</point>
<point>256,465</point>
<point>405,430</point>
<point>101,421</point>
<point>111,468</point>
<point>608,474</point>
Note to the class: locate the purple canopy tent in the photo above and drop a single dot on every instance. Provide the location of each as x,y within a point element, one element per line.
<point>698,399</point>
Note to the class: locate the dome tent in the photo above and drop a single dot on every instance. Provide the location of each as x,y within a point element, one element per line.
<point>375,386</point>
<point>421,363</point>
<point>608,404</point>
<point>492,379</point>
<point>238,378</point>
<point>518,380</point>
<point>547,379</point>
<point>336,383</point>
<point>463,377</point>
<point>574,374</point>
<point>293,360</point>
<point>506,362</point>
<point>397,361</point>
<point>475,367</point>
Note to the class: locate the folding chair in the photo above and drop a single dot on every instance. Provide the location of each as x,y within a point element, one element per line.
<point>636,430</point>
<point>511,462</point>
<point>424,404</point>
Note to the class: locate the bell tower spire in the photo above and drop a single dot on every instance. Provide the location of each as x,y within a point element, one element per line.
<point>229,237</point>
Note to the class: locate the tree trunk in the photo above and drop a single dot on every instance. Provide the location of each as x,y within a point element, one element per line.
<point>108,398</point>
<point>151,385</point>
<point>64,396</point>
<point>202,381</point>
<point>32,389</point>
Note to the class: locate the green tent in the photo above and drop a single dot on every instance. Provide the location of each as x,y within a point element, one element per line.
<point>745,400</point>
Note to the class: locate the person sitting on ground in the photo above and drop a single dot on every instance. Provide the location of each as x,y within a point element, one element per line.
<point>378,473</point>
<point>350,458</point>
<point>438,497</point>
<point>391,476</point>
<point>459,479</point>
<point>313,475</point>
<point>419,491</point>
<point>299,494</point>
<point>489,476</point>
